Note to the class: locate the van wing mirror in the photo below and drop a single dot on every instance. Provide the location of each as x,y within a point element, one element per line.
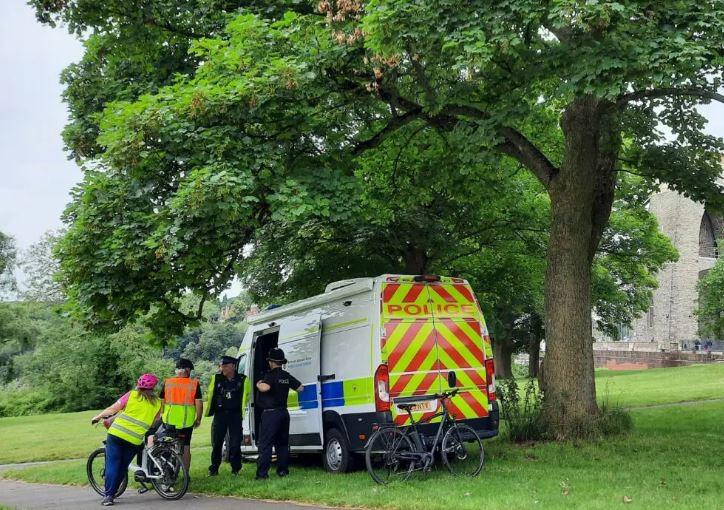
<point>452,379</point>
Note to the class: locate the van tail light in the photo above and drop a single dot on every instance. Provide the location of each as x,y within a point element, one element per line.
<point>490,378</point>
<point>382,389</point>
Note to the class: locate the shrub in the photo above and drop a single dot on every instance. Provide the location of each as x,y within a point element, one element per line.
<point>23,402</point>
<point>522,416</point>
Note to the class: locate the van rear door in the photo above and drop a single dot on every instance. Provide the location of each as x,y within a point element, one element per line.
<point>463,344</point>
<point>408,343</point>
<point>299,338</point>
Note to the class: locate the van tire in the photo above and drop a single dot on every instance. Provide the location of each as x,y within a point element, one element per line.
<point>336,455</point>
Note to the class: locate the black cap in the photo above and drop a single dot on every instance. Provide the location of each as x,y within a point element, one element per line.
<point>228,360</point>
<point>276,355</point>
<point>184,363</point>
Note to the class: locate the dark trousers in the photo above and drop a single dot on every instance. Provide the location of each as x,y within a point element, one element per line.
<point>119,454</point>
<point>274,432</point>
<point>226,421</point>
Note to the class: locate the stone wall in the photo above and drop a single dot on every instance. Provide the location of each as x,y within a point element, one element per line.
<point>636,360</point>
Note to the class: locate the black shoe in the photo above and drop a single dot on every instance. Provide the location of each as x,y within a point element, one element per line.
<point>282,474</point>
<point>107,501</point>
<point>235,472</point>
<point>213,472</point>
<point>258,477</point>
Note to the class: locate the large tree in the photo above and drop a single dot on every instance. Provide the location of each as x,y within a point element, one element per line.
<point>267,117</point>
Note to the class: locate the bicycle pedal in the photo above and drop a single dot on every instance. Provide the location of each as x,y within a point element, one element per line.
<point>143,489</point>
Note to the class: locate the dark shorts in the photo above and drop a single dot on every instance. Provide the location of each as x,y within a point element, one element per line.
<point>183,435</point>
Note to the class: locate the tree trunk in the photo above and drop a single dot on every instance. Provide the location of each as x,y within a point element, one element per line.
<point>503,356</point>
<point>416,260</point>
<point>581,196</point>
<point>533,355</point>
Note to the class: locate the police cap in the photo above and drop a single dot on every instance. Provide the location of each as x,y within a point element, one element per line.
<point>276,355</point>
<point>227,360</point>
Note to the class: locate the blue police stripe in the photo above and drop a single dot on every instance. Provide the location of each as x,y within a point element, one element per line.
<point>308,397</point>
<point>332,394</point>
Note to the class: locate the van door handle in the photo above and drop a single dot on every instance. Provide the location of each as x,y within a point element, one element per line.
<point>326,377</point>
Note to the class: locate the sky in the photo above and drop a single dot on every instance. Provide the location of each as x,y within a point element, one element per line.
<point>35,174</point>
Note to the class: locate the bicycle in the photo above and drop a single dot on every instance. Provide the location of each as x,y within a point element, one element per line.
<point>395,452</point>
<point>161,466</point>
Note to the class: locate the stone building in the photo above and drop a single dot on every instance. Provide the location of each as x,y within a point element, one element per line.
<point>671,321</point>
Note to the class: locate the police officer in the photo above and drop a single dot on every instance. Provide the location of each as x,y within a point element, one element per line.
<point>272,403</point>
<point>225,405</point>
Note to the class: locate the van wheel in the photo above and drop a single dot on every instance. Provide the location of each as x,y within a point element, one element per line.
<point>337,457</point>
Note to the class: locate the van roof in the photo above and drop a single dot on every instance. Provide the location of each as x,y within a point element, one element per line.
<point>334,291</point>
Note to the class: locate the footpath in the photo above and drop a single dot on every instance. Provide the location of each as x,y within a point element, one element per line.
<point>21,495</point>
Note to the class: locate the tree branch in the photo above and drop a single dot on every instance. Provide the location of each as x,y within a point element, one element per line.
<point>516,145</point>
<point>393,124</point>
<point>624,99</point>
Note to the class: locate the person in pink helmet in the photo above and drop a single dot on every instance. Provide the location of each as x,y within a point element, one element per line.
<point>134,414</point>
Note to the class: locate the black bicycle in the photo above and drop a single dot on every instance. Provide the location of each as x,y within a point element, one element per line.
<point>393,452</point>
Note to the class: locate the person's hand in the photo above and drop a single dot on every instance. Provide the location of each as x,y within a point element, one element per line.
<point>197,423</point>
<point>95,420</point>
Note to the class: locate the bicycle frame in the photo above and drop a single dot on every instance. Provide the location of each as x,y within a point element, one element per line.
<point>424,455</point>
<point>146,455</point>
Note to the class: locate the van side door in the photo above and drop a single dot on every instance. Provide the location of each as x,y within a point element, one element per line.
<point>300,338</point>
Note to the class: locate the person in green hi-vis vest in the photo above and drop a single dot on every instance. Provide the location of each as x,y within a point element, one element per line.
<point>138,409</point>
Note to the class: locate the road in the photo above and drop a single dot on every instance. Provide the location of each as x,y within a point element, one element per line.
<point>21,495</point>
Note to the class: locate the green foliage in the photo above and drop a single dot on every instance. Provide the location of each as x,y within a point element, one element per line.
<point>8,255</point>
<point>521,412</point>
<point>40,269</point>
<point>711,301</point>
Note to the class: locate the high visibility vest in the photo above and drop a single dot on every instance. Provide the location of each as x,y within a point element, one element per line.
<point>179,399</point>
<point>135,419</point>
<point>212,395</point>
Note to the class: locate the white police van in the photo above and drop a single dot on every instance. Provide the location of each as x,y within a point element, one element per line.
<point>364,343</point>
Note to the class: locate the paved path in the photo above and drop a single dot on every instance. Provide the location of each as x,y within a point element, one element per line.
<point>21,495</point>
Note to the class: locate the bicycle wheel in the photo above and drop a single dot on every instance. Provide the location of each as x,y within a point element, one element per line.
<point>96,470</point>
<point>388,456</point>
<point>174,477</point>
<point>462,450</point>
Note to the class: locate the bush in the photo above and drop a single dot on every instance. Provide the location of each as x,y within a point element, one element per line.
<point>23,402</point>
<point>522,416</point>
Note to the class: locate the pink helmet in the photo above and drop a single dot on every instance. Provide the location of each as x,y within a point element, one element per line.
<point>147,382</point>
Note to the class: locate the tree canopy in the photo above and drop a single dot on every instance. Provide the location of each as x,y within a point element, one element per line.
<point>201,126</point>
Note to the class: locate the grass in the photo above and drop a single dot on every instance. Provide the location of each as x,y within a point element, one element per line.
<point>661,385</point>
<point>60,436</point>
<point>673,458</point>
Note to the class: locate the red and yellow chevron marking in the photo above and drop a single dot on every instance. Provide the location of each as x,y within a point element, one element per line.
<point>405,301</point>
<point>460,343</point>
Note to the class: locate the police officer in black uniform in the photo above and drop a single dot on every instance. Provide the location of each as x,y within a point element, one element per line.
<point>225,405</point>
<point>272,403</point>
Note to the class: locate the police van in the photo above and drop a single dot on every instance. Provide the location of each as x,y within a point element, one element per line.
<point>361,345</point>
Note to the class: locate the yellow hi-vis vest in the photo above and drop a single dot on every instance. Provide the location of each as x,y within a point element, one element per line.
<point>135,419</point>
<point>179,399</point>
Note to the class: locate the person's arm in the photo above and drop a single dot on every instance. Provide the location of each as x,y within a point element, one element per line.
<point>295,384</point>
<point>199,403</point>
<point>263,386</point>
<point>115,408</point>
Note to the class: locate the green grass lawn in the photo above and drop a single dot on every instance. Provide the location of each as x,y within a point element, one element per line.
<point>60,436</point>
<point>674,458</point>
<point>661,385</point>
